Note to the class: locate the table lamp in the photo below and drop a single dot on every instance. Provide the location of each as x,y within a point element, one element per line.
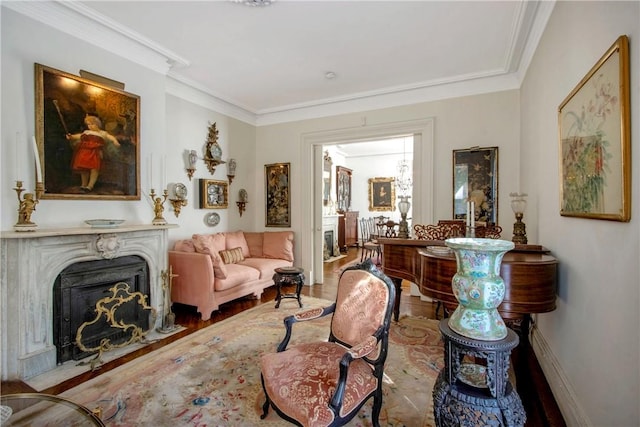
<point>403,206</point>
<point>518,204</point>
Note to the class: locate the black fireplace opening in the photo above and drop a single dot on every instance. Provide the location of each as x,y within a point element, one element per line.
<point>328,241</point>
<point>76,292</point>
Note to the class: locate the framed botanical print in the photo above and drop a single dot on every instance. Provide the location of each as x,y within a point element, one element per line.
<point>475,178</point>
<point>214,194</point>
<point>382,194</point>
<point>595,141</point>
<point>87,137</point>
<point>278,195</point>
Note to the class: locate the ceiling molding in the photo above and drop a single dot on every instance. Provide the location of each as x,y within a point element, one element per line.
<point>86,24</point>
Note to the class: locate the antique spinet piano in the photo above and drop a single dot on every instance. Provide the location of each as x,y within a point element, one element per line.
<point>529,273</point>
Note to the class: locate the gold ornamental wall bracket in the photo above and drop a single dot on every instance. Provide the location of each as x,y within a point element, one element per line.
<point>213,151</point>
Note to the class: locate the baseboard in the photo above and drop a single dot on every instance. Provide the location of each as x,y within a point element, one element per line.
<point>563,392</point>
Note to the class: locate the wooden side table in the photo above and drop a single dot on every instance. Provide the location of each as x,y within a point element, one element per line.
<point>288,276</point>
<point>469,394</point>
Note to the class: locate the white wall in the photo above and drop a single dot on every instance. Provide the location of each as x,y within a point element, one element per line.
<point>589,345</point>
<point>591,342</point>
<point>482,120</point>
<point>25,42</point>
<point>366,167</point>
<point>169,126</point>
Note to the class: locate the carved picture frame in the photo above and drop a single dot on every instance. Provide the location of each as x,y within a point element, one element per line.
<point>595,141</point>
<point>277,195</point>
<point>76,161</point>
<point>382,194</point>
<point>214,194</point>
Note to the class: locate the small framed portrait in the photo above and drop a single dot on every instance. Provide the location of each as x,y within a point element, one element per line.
<point>382,194</point>
<point>214,194</point>
<point>87,137</point>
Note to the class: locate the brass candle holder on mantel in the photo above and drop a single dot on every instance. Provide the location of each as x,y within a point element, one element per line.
<point>26,205</point>
<point>158,207</point>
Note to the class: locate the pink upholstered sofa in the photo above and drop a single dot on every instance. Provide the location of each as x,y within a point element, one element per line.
<point>216,268</point>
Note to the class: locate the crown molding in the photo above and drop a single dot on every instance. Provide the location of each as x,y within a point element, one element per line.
<point>79,21</point>
<point>84,23</point>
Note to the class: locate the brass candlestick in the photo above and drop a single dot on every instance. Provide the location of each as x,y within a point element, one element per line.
<point>26,206</point>
<point>158,207</point>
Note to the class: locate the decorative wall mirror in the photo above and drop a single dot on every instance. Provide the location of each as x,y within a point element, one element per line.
<point>326,179</point>
<point>475,178</point>
<point>343,188</point>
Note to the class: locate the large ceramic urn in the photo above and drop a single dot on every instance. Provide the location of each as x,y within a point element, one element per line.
<point>478,287</point>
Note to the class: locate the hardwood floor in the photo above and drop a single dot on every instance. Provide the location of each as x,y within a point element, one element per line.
<point>538,401</point>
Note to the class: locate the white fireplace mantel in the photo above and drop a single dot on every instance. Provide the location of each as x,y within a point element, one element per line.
<point>31,262</point>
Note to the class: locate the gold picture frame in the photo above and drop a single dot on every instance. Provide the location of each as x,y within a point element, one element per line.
<point>214,194</point>
<point>382,194</point>
<point>595,141</point>
<point>87,137</point>
<point>278,195</point>
<point>475,178</point>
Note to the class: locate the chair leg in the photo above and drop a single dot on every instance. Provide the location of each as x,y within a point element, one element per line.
<point>377,407</point>
<point>265,408</point>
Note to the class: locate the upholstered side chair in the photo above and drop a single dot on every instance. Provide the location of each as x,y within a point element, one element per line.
<point>326,383</point>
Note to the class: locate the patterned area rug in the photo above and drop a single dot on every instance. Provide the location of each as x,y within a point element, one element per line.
<point>212,377</point>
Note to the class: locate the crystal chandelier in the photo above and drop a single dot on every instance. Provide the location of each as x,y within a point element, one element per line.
<point>404,179</point>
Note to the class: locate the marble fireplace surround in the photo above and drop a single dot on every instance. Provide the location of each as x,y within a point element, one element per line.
<point>30,264</point>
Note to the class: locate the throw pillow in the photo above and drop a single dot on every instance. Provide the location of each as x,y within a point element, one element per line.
<point>232,256</point>
<point>236,239</point>
<point>254,241</point>
<point>212,244</point>
<point>185,245</point>
<point>278,245</point>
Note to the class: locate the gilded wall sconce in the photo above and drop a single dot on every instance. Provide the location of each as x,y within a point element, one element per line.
<point>213,152</point>
<point>179,198</point>
<point>192,158</point>
<point>231,170</point>
<point>243,200</point>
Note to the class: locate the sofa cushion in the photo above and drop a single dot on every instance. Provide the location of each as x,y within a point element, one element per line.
<point>254,241</point>
<point>232,256</point>
<point>212,244</point>
<point>278,244</point>
<point>236,239</point>
<point>185,245</point>
<point>237,274</point>
<point>266,266</point>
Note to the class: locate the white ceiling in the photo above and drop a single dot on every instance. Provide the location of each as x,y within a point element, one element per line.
<point>272,60</point>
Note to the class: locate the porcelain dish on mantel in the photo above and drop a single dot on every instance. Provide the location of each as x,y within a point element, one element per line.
<point>104,223</point>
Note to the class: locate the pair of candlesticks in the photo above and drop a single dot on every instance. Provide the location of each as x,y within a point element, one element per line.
<point>26,205</point>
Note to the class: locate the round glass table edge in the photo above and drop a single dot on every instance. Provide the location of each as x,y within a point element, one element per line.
<point>88,414</point>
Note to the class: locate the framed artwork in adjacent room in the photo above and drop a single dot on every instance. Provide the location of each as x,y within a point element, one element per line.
<point>475,178</point>
<point>87,137</point>
<point>214,194</point>
<point>382,194</point>
<point>277,195</point>
<point>595,141</point>
<point>343,189</point>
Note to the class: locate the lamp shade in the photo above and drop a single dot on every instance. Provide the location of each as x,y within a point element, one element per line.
<point>518,202</point>
<point>403,204</point>
<point>231,167</point>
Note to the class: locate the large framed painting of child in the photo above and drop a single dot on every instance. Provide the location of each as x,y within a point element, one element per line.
<point>87,136</point>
